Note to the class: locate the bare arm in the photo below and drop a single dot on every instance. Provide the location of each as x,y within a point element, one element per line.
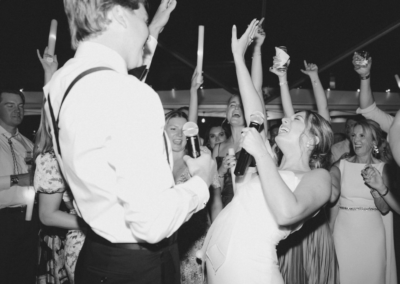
<point>366,98</point>
<point>319,93</point>
<point>250,98</point>
<point>383,197</point>
<point>51,215</point>
<point>215,202</point>
<point>256,63</point>
<point>288,208</point>
<point>334,200</point>
<point>394,138</point>
<point>193,104</point>
<point>287,105</point>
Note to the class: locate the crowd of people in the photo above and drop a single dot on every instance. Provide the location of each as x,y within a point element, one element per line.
<point>120,201</point>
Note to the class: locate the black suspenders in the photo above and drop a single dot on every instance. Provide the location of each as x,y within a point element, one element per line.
<point>53,120</point>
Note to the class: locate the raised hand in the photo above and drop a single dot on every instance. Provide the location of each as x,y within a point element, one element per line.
<point>49,66</point>
<point>240,45</point>
<point>259,35</point>
<point>310,69</point>
<point>161,17</point>
<point>275,67</point>
<point>195,85</point>
<point>360,69</point>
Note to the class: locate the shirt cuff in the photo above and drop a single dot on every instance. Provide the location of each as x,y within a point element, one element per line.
<point>5,182</point>
<point>149,51</point>
<point>199,187</point>
<point>366,110</point>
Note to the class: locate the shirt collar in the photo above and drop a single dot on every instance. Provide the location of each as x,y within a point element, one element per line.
<point>6,133</point>
<point>98,51</point>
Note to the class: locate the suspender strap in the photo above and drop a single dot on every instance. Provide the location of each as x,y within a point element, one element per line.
<point>53,119</point>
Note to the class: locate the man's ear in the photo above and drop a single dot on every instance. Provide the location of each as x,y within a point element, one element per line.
<point>117,14</point>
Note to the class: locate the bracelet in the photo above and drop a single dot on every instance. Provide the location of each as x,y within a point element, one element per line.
<point>365,77</point>
<point>223,176</point>
<point>283,83</point>
<point>386,193</point>
<point>256,54</point>
<point>13,180</point>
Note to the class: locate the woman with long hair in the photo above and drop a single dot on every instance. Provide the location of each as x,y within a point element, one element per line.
<point>241,244</point>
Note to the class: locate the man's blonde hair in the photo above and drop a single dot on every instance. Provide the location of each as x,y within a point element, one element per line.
<point>88,18</point>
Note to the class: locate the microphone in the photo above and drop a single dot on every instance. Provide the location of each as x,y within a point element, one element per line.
<point>190,130</point>
<point>256,121</point>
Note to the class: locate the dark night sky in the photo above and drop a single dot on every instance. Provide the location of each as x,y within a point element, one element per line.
<point>315,30</point>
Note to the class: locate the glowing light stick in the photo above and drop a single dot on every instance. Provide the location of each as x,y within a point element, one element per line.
<point>200,53</point>
<point>52,40</point>
<point>231,151</point>
<point>30,200</point>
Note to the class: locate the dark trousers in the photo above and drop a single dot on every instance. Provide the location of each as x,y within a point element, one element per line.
<point>18,246</point>
<point>100,262</point>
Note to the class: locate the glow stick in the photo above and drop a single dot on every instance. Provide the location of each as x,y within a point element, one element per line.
<point>200,53</point>
<point>397,79</point>
<point>232,152</point>
<point>52,40</point>
<point>30,200</point>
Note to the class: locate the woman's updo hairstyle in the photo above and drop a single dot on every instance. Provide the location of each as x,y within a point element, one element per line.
<point>319,127</point>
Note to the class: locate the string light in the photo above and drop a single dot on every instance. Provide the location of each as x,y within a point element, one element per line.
<point>388,91</point>
<point>203,120</point>
<point>328,89</point>
<point>358,90</point>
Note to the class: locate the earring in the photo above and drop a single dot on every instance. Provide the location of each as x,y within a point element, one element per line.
<point>375,149</point>
<point>308,145</point>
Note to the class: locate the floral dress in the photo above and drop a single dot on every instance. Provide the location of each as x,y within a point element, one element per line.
<point>59,248</point>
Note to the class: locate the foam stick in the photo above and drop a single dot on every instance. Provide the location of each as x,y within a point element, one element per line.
<point>30,200</point>
<point>397,80</point>
<point>52,40</point>
<point>232,152</point>
<point>200,53</point>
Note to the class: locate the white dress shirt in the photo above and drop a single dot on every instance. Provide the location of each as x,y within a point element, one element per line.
<point>376,114</point>
<point>12,196</point>
<point>113,154</point>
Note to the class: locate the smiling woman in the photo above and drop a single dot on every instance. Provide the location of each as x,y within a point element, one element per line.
<point>365,196</point>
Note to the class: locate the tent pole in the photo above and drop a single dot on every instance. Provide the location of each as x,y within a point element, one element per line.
<point>185,61</point>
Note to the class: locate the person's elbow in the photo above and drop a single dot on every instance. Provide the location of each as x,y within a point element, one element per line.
<point>46,218</point>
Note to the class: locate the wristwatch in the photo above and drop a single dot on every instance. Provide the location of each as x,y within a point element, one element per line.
<point>14,180</point>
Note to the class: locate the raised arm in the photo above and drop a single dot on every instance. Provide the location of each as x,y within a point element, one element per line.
<point>256,63</point>
<point>288,207</point>
<point>156,26</point>
<point>322,104</point>
<point>287,105</point>
<point>193,104</point>
<point>250,98</point>
<point>334,204</point>
<point>49,66</point>
<point>366,98</point>
<point>394,138</point>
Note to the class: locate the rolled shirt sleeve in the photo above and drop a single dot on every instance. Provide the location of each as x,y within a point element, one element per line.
<point>376,114</point>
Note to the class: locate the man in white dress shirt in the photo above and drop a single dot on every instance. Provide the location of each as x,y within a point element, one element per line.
<point>18,238</point>
<point>112,151</point>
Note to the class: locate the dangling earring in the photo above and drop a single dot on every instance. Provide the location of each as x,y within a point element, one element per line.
<point>376,150</point>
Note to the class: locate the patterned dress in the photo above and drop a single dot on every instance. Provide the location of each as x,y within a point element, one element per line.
<point>59,248</point>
